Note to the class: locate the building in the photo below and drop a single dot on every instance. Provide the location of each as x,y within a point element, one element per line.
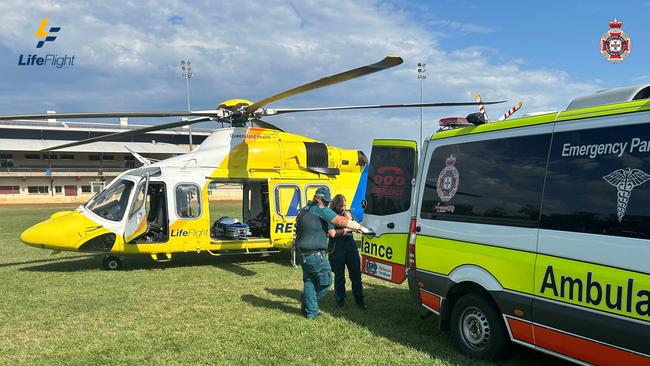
<point>28,175</point>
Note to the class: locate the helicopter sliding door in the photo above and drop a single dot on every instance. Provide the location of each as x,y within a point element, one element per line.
<point>136,222</point>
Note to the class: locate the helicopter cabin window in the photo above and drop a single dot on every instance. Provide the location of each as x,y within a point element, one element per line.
<point>111,203</point>
<point>287,200</point>
<point>188,201</point>
<point>139,198</point>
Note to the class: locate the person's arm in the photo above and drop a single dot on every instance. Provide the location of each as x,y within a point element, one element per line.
<point>331,231</point>
<point>329,215</point>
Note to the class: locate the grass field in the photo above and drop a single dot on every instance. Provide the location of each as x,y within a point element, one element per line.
<point>63,309</point>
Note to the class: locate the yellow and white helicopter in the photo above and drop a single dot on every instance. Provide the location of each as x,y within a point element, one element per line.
<point>163,208</point>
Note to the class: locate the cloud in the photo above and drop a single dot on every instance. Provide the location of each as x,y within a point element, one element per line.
<point>176,20</point>
<point>461,27</point>
<point>127,58</point>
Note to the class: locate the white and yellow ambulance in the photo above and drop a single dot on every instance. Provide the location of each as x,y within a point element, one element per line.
<point>533,230</point>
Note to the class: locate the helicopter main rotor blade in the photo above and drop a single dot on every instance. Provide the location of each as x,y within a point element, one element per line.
<point>270,111</point>
<point>138,131</point>
<point>263,124</point>
<point>384,64</point>
<point>109,115</point>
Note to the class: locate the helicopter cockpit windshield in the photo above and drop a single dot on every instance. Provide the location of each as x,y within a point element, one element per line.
<point>112,202</point>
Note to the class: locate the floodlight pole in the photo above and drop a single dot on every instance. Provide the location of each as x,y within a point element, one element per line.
<point>422,74</point>
<point>186,73</point>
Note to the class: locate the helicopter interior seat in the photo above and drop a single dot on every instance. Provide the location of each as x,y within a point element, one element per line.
<point>157,217</point>
<point>259,216</point>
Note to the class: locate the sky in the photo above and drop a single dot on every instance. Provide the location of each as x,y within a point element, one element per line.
<point>127,58</point>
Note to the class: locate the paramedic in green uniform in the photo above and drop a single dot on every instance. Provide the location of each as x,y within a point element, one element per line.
<point>344,253</point>
<point>312,225</point>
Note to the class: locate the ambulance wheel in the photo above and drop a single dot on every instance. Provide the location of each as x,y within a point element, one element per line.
<point>478,329</point>
<point>112,263</point>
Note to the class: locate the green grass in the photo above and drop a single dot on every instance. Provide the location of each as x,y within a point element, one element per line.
<point>63,309</point>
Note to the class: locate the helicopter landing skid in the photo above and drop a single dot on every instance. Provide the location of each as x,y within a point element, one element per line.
<point>263,252</point>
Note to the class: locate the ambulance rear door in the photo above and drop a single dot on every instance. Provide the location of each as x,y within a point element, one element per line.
<point>393,164</point>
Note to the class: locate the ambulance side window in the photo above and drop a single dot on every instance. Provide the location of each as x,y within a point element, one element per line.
<point>497,182</point>
<point>598,182</point>
<point>188,201</point>
<point>389,180</point>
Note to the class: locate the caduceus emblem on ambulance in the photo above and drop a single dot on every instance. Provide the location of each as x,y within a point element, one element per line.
<point>625,180</point>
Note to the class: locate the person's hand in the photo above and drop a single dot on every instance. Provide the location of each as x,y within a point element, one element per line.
<point>366,231</point>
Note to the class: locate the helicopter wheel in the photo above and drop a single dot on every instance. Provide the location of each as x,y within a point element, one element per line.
<point>112,263</point>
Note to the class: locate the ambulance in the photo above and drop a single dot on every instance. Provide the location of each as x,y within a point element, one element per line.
<point>534,230</point>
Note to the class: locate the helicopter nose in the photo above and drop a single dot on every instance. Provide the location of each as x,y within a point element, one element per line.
<point>31,236</point>
<point>62,231</point>
<point>53,233</point>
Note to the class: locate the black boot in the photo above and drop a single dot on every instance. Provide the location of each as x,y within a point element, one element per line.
<point>361,304</point>
<point>340,303</point>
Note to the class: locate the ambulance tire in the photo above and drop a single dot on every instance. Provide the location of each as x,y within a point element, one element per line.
<point>112,263</point>
<point>478,329</point>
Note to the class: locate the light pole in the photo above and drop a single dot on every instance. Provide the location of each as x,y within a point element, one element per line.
<point>186,73</point>
<point>422,74</point>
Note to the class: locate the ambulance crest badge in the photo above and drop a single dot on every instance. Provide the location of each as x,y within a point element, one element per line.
<point>615,44</point>
<point>448,180</point>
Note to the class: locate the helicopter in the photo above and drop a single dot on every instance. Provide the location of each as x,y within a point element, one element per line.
<point>162,207</point>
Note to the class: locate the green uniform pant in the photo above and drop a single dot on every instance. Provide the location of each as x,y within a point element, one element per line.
<point>317,278</point>
<point>346,254</point>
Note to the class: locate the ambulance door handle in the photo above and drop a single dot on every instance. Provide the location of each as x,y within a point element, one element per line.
<point>390,225</point>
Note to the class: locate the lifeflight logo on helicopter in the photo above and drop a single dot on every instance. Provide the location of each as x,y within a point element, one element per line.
<point>51,59</point>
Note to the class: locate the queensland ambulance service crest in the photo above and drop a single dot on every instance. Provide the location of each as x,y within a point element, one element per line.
<point>615,45</point>
<point>448,180</point>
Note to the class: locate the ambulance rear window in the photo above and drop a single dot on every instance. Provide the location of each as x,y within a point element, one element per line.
<point>389,180</point>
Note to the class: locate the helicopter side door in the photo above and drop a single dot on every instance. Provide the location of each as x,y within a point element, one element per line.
<point>393,164</point>
<point>286,203</point>
<point>136,222</point>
